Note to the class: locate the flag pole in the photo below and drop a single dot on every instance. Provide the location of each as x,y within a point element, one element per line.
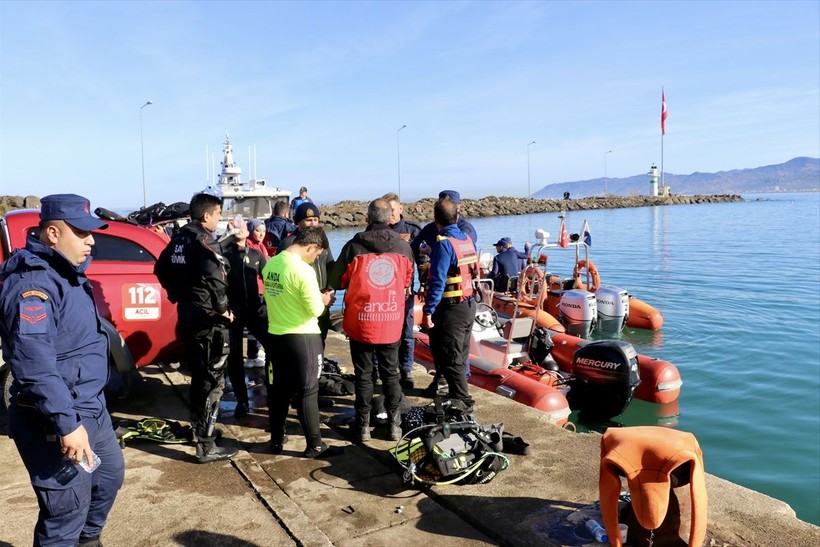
<point>664,115</point>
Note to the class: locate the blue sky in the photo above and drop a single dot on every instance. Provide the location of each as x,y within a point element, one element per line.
<point>321,88</point>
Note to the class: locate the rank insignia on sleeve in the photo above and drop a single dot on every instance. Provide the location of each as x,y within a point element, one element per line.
<point>33,314</point>
<point>39,294</point>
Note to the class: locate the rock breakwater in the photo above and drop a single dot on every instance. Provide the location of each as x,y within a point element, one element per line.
<point>352,214</point>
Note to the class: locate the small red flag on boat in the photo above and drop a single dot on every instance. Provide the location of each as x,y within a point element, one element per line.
<point>563,239</point>
<point>664,113</point>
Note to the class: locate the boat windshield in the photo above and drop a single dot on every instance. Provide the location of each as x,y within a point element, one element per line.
<point>248,207</point>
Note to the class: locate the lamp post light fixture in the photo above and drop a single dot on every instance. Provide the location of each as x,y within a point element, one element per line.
<point>398,155</point>
<point>606,180</point>
<point>142,155</point>
<point>529,194</point>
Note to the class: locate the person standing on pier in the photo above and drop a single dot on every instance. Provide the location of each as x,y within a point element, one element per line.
<point>376,269</point>
<point>449,306</point>
<point>408,232</point>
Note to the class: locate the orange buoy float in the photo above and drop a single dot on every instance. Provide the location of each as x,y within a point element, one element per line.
<point>592,272</point>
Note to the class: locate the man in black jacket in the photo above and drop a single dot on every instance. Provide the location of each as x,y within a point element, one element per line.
<point>195,275</point>
<point>277,227</point>
<point>376,268</point>
<point>408,232</point>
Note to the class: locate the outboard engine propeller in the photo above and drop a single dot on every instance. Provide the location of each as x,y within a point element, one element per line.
<point>606,375</point>
<point>539,351</point>
<point>613,309</point>
<point>578,312</point>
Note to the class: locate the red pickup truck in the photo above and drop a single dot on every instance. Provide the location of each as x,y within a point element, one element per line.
<point>139,319</point>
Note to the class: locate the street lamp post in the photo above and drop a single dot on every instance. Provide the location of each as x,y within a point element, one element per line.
<point>398,155</point>
<point>606,180</point>
<point>529,194</point>
<point>142,155</point>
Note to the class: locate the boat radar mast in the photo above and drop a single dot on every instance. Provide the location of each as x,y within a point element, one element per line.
<point>231,173</point>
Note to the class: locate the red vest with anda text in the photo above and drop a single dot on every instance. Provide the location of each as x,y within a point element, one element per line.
<point>374,301</point>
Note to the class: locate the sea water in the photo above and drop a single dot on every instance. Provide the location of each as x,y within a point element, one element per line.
<point>739,288</point>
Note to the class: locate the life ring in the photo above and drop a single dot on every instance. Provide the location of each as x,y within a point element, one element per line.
<point>593,273</point>
<point>530,284</point>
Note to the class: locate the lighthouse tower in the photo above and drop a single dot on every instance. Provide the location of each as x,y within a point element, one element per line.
<point>231,173</point>
<point>653,180</point>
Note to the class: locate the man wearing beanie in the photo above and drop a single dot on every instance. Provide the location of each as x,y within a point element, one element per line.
<point>306,216</point>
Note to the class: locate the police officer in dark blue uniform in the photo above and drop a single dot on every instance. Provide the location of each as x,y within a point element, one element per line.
<point>507,264</point>
<point>194,273</point>
<point>422,245</point>
<point>430,231</point>
<point>58,353</point>
<point>449,305</point>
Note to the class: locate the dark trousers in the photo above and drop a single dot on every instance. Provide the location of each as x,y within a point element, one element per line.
<point>293,375</point>
<point>450,345</point>
<point>386,358</point>
<point>81,506</point>
<point>207,360</point>
<point>236,360</point>
<point>408,342</point>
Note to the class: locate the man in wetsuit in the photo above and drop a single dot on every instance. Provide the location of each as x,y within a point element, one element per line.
<point>194,273</point>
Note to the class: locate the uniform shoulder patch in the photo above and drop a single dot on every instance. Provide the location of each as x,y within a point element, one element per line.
<point>33,292</point>
<point>33,312</point>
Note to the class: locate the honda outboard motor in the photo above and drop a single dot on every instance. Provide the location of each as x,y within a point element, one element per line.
<point>613,309</point>
<point>606,375</point>
<point>578,312</point>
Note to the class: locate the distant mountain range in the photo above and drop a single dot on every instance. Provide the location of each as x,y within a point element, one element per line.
<point>797,175</point>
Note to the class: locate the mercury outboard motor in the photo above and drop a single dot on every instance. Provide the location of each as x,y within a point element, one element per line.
<point>606,375</point>
<point>613,309</point>
<point>578,312</point>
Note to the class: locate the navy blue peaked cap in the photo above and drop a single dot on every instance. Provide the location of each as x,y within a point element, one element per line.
<point>71,208</point>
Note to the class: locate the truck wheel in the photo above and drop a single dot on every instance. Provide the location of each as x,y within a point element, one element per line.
<point>5,383</point>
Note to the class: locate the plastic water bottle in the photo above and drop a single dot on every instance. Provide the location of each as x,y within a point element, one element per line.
<point>70,469</point>
<point>597,531</point>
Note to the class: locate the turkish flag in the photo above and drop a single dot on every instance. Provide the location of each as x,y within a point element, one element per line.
<point>664,113</point>
<point>563,239</point>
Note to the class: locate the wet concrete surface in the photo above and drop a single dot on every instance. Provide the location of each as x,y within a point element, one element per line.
<point>358,498</point>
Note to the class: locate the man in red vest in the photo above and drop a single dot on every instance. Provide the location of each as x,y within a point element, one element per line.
<point>376,268</point>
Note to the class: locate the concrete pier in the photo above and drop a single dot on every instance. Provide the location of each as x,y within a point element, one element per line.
<point>359,498</point>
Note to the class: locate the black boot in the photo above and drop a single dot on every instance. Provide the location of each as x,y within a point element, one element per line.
<point>406,380</point>
<point>395,426</point>
<point>207,451</point>
<point>438,384</point>
<point>362,431</point>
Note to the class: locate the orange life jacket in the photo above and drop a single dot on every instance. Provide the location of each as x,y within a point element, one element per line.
<point>459,282</point>
<point>375,296</point>
<point>648,456</point>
